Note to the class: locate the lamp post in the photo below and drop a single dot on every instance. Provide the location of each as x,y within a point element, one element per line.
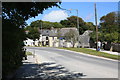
<point>77,16</point>
<point>77,23</point>
<point>77,19</point>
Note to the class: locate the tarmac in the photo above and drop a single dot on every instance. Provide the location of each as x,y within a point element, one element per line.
<point>31,68</point>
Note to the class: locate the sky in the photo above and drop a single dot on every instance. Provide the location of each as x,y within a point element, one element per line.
<point>85,11</point>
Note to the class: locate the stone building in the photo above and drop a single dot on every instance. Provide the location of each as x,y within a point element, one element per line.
<point>55,37</point>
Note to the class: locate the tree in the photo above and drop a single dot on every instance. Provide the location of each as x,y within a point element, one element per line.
<point>37,23</point>
<point>57,25</point>
<point>71,36</point>
<point>108,30</point>
<point>72,22</point>
<point>90,26</point>
<point>111,37</point>
<point>45,24</point>
<point>109,22</point>
<point>14,15</point>
<point>33,33</point>
<point>109,27</point>
<point>65,23</point>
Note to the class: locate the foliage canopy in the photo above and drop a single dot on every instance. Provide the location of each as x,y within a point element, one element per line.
<point>72,22</point>
<point>14,15</point>
<point>45,24</point>
<point>109,29</point>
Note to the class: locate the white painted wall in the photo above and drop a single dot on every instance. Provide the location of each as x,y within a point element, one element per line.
<point>28,42</point>
<point>37,42</point>
<point>51,41</point>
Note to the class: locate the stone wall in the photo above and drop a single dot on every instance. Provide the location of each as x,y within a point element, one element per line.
<point>116,47</point>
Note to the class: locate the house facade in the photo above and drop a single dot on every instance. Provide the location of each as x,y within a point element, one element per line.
<point>55,37</point>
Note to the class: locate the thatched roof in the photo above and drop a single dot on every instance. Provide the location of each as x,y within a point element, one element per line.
<point>55,31</point>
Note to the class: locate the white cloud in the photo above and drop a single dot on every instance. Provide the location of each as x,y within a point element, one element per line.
<point>55,16</point>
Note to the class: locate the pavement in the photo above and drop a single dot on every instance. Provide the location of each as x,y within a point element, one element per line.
<point>28,69</point>
<point>109,52</point>
<point>34,69</point>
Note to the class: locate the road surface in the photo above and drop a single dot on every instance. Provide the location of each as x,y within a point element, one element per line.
<point>92,67</point>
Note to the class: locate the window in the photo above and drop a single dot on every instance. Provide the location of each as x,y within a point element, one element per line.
<point>46,38</point>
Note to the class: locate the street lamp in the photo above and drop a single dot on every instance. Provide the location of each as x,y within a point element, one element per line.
<point>77,18</point>
<point>77,21</point>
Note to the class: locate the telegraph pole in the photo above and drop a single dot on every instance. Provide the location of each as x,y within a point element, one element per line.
<point>96,26</point>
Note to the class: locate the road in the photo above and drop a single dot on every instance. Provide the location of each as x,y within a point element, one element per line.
<point>92,67</point>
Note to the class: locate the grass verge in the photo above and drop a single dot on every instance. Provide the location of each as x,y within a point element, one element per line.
<point>28,53</point>
<point>94,52</point>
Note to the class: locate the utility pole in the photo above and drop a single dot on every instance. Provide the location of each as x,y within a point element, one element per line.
<point>96,26</point>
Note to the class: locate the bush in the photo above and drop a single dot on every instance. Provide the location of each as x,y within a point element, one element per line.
<point>12,47</point>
